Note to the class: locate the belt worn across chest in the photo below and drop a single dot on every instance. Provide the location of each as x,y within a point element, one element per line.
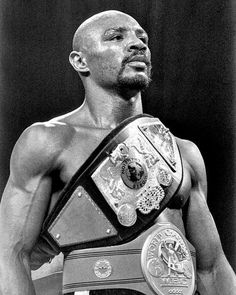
<point>120,190</point>
<point>105,219</point>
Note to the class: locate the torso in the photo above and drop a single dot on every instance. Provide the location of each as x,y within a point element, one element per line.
<point>75,151</point>
<point>82,144</point>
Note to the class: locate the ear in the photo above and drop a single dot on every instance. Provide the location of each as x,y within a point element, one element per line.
<point>78,62</point>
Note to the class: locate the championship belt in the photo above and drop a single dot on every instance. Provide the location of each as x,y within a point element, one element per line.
<point>120,190</point>
<point>113,198</point>
<point>160,261</point>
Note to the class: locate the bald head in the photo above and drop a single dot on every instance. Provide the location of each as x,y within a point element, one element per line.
<point>83,34</point>
<point>102,47</point>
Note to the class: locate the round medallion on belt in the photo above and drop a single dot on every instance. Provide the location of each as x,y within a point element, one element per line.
<point>166,261</point>
<point>134,173</point>
<point>150,199</point>
<point>127,215</point>
<point>102,268</point>
<point>146,204</point>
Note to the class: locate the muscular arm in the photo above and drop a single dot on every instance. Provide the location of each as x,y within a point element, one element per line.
<point>23,208</point>
<point>215,275</point>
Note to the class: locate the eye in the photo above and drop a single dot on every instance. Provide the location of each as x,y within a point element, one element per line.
<point>116,37</point>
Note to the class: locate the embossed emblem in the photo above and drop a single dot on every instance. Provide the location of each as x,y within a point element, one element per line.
<point>133,173</point>
<point>127,215</point>
<point>119,154</point>
<point>164,176</point>
<point>150,199</point>
<point>162,140</point>
<point>102,268</point>
<point>167,263</point>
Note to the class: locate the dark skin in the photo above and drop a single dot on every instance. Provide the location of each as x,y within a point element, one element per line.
<point>48,154</point>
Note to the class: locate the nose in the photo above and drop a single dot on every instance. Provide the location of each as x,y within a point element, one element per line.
<point>135,43</point>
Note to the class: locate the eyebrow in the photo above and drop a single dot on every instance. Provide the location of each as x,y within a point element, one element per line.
<point>124,29</point>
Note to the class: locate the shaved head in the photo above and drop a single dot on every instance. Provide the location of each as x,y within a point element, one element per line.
<point>83,34</point>
<point>103,48</point>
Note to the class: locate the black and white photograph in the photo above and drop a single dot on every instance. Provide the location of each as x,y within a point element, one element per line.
<point>118,147</point>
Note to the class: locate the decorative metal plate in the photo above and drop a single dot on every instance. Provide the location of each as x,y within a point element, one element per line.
<point>135,174</point>
<point>162,140</point>
<point>167,263</point>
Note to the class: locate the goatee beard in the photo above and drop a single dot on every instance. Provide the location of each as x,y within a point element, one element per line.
<point>137,82</point>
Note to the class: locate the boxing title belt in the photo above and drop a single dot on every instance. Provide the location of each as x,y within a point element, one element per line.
<point>160,261</point>
<point>117,194</point>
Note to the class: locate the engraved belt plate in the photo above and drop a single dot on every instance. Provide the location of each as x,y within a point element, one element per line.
<point>138,172</point>
<point>161,138</point>
<point>167,263</point>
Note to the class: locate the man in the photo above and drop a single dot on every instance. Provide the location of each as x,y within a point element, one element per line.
<point>111,55</point>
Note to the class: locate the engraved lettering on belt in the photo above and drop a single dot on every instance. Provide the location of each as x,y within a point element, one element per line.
<point>167,261</point>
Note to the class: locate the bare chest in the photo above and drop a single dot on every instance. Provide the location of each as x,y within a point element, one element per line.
<point>81,147</point>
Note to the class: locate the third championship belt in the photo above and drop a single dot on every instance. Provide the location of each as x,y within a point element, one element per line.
<point>105,219</point>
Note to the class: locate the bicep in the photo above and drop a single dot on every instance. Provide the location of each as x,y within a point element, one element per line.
<point>22,212</point>
<point>27,193</point>
<point>202,232</point>
<point>215,275</point>
<point>200,226</point>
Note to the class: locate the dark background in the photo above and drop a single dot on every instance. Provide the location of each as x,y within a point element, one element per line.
<point>192,92</point>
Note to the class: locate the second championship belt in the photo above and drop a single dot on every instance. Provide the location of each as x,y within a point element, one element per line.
<point>105,219</point>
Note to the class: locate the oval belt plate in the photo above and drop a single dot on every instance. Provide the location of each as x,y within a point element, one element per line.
<point>133,173</point>
<point>167,263</point>
<point>127,215</point>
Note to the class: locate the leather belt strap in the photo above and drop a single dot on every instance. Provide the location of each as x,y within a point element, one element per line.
<point>160,261</point>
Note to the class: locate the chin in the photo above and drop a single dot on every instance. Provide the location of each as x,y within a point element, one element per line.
<point>138,82</point>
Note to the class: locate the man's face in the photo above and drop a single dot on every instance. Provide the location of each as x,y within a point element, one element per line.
<point>117,53</point>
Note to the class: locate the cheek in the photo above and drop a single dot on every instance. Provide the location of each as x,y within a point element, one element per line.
<point>108,61</point>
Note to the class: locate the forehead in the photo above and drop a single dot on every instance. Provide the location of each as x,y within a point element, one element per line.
<point>91,31</point>
<point>119,20</point>
<point>116,21</point>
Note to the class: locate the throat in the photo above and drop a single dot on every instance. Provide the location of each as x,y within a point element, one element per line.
<point>109,112</point>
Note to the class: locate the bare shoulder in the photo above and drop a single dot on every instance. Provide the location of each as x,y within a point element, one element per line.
<point>39,146</point>
<point>188,149</point>
<point>193,159</point>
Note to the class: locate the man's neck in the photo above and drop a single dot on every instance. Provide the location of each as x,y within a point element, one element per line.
<point>108,109</point>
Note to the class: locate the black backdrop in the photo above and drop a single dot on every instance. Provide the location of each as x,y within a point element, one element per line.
<point>193,79</point>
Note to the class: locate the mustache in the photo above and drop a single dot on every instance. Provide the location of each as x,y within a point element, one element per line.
<point>137,56</point>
